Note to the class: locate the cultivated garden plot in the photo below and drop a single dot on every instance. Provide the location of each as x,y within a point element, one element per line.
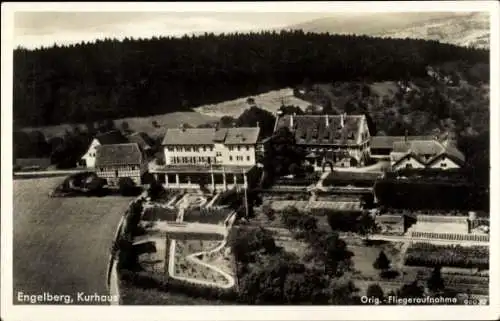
<point>431,255</point>
<point>207,215</point>
<point>184,267</point>
<point>157,213</point>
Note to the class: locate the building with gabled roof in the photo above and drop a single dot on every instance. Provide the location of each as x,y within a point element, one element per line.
<point>114,161</point>
<point>209,153</point>
<point>107,138</point>
<point>333,140</point>
<point>431,153</point>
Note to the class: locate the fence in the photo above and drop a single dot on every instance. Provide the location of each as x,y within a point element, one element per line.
<point>451,236</point>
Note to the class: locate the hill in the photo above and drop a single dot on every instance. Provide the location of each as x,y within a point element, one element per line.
<point>458,28</point>
<point>270,101</point>
<point>113,79</point>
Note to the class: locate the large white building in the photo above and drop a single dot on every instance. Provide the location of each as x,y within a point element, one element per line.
<point>330,140</point>
<point>215,159</point>
<point>108,138</point>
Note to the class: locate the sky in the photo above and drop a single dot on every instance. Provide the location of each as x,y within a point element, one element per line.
<point>36,29</point>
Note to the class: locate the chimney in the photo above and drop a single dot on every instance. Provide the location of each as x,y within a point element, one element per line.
<point>342,120</point>
<point>258,124</point>
<point>327,121</point>
<point>406,135</point>
<point>291,121</point>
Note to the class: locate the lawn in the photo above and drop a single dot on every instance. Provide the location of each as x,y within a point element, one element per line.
<point>270,101</point>
<point>141,124</point>
<point>364,256</point>
<point>61,245</point>
<point>188,269</point>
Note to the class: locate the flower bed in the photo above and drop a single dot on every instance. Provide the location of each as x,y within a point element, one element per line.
<point>195,236</point>
<point>207,215</point>
<point>157,213</point>
<point>185,268</point>
<point>311,178</point>
<point>425,254</point>
<point>360,179</point>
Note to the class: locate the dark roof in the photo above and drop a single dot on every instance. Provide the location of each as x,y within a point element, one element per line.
<point>313,129</point>
<point>208,136</point>
<point>386,142</point>
<point>141,139</point>
<point>118,154</point>
<point>111,137</point>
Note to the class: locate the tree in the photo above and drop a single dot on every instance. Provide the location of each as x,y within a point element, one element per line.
<point>125,127</point>
<point>366,225</point>
<point>269,212</point>
<point>226,122</point>
<point>411,290</point>
<point>126,186</point>
<point>382,262</point>
<point>435,283</point>
<point>375,291</point>
<point>156,190</point>
<point>95,184</point>
<point>255,115</point>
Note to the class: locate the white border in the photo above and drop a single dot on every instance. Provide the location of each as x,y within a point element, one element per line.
<point>10,312</point>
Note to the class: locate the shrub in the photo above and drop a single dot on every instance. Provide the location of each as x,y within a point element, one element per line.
<point>269,212</point>
<point>156,191</point>
<point>127,186</point>
<point>382,262</point>
<point>375,291</point>
<point>424,254</point>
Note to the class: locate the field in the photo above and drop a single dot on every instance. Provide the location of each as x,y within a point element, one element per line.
<point>61,245</point>
<point>270,101</point>
<point>141,124</point>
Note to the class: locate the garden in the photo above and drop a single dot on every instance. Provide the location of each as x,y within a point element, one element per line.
<point>430,255</point>
<point>184,267</point>
<point>305,180</point>
<point>157,213</point>
<point>207,215</point>
<point>358,179</point>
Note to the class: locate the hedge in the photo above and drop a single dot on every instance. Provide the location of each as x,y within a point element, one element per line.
<point>426,195</point>
<point>426,254</point>
<point>359,179</point>
<point>163,282</point>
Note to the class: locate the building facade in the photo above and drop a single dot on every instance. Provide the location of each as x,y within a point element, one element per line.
<point>108,138</point>
<point>120,160</point>
<point>330,140</point>
<point>215,159</point>
<point>420,154</point>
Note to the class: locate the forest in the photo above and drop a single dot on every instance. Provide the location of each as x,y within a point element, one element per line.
<point>113,79</point>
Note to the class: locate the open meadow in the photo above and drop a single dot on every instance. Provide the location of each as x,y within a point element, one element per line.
<point>61,245</point>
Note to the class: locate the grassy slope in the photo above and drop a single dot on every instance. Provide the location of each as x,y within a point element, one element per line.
<point>61,245</point>
<point>140,124</point>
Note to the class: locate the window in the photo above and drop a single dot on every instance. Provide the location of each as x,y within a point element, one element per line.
<point>238,148</point>
<point>248,158</point>
<point>230,148</point>
<point>248,148</point>
<point>231,158</point>
<point>134,168</point>
<point>444,165</point>
<point>409,166</point>
<point>204,148</point>
<point>218,154</point>
<point>211,148</point>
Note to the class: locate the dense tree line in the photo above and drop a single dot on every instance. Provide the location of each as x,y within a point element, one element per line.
<point>115,79</point>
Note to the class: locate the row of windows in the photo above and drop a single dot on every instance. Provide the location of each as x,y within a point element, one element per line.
<point>239,158</point>
<point>204,160</point>
<point>120,168</point>
<point>191,148</point>
<point>204,148</point>
<point>192,160</point>
<point>238,148</point>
